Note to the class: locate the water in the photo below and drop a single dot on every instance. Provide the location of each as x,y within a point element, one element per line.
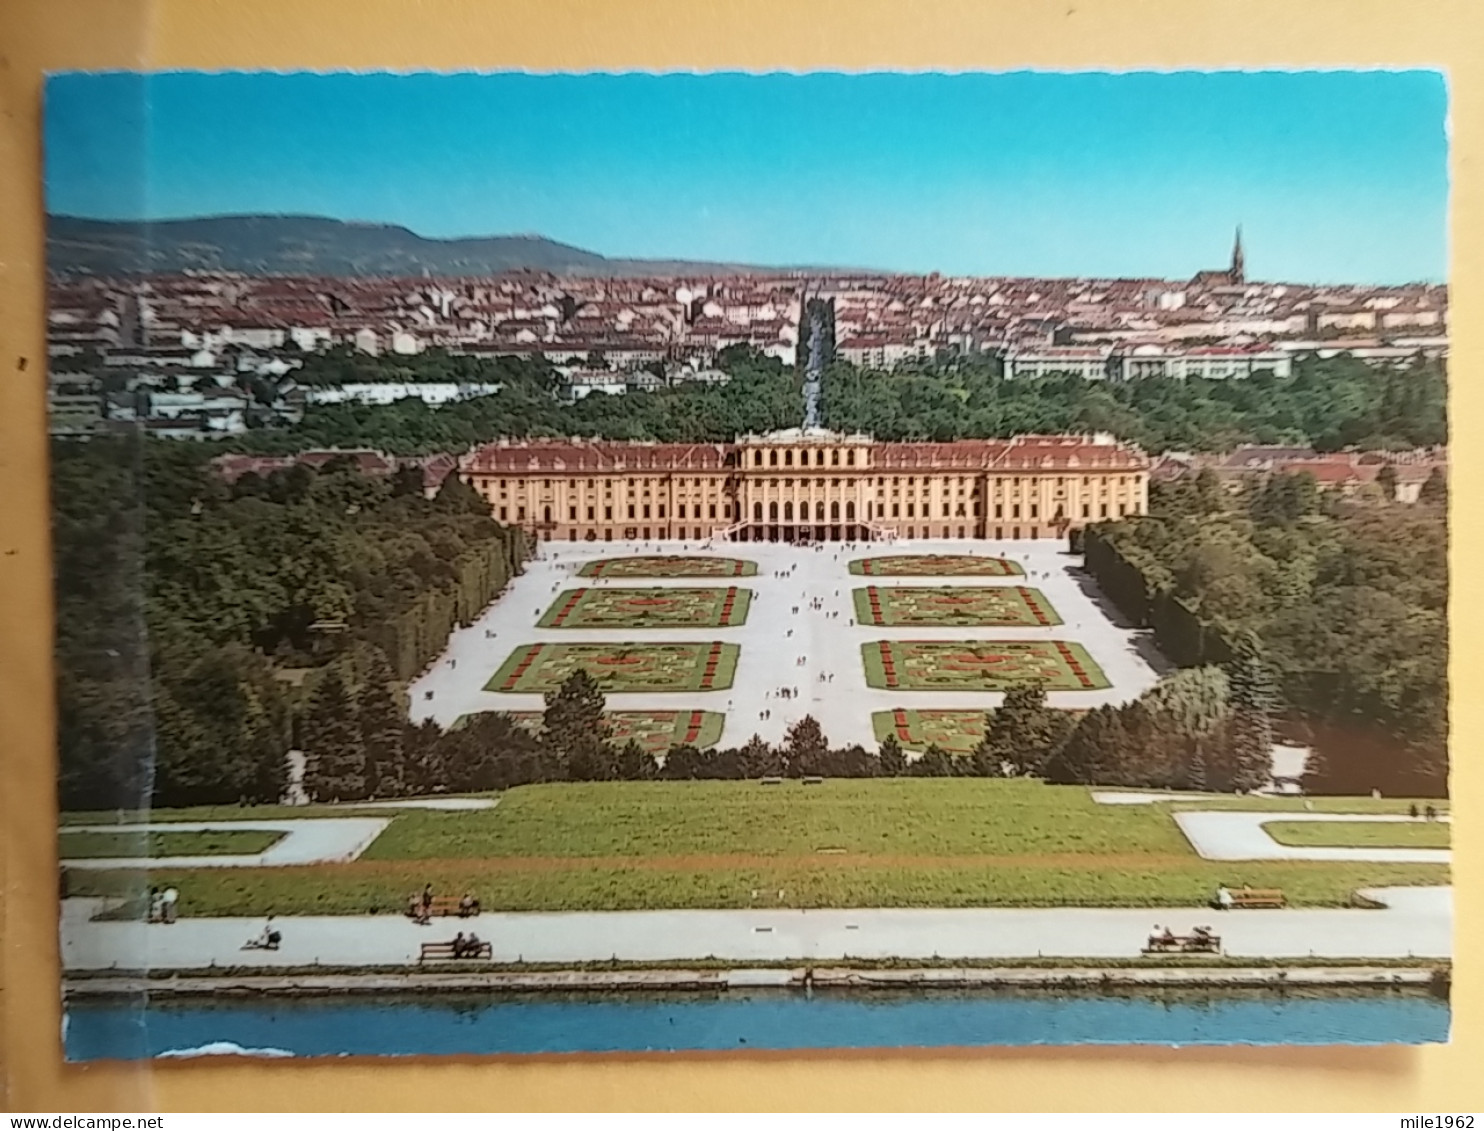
<point>450,1024</point>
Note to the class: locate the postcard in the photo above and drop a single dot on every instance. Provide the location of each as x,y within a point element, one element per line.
<point>618,562</point>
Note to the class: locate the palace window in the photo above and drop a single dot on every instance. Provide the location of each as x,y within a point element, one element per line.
<point>850,458</point>
<point>835,457</point>
<point>631,510</point>
<point>999,510</point>
<point>773,458</point>
<point>757,512</point>
<point>818,457</point>
<point>520,514</point>
<point>1035,511</point>
<point>1085,510</point>
<point>680,511</point>
<point>571,514</point>
<point>788,458</point>
<point>911,509</point>
<point>589,514</point>
<point>757,459</point>
<point>504,513</point>
<point>646,510</point>
<point>608,514</point>
<point>712,509</point>
<point>1015,511</point>
<point>896,510</point>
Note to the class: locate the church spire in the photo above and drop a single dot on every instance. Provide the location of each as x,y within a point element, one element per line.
<point>1238,270</point>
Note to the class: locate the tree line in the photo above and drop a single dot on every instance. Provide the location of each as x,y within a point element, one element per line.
<point>1329,404</point>
<point>196,619</point>
<point>1201,728</point>
<point>1345,601</point>
<point>533,401</point>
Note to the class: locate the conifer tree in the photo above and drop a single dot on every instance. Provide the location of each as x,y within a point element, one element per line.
<point>805,748</point>
<point>893,760</point>
<point>634,763</point>
<point>756,759</point>
<point>1434,488</point>
<point>574,731</point>
<point>934,763</point>
<point>334,761</point>
<point>382,728</point>
<point>1253,697</point>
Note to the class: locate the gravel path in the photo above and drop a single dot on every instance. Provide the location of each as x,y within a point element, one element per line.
<point>828,644</point>
<point>1416,922</point>
<point>1238,835</point>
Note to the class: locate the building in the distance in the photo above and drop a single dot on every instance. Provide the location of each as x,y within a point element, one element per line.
<point>809,485</point>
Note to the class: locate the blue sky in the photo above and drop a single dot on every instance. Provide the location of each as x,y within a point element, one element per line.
<point>1335,176</point>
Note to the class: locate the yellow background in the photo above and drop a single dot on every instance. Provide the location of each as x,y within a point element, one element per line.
<point>41,35</point>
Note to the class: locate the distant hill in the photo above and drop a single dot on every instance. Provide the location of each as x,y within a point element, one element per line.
<point>314,245</point>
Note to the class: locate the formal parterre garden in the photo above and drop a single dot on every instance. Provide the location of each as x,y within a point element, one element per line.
<point>654,731</point>
<point>666,565</point>
<point>935,565</point>
<point>900,842</point>
<point>929,606</point>
<point>619,668</point>
<point>952,731</point>
<point>980,665</point>
<point>649,608</point>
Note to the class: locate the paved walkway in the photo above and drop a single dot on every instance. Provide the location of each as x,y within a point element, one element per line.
<point>1417,922</point>
<point>769,656</point>
<point>306,840</point>
<point>1240,835</point>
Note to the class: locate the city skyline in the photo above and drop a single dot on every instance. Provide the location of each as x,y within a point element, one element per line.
<point>955,174</point>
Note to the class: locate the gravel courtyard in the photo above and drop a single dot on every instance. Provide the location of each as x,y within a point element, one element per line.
<point>775,639</point>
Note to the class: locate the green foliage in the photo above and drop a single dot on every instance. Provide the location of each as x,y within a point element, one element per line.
<point>1329,404</point>
<point>1345,603</point>
<point>893,758</point>
<point>574,732</point>
<point>334,757</point>
<point>762,396</point>
<point>1021,735</point>
<point>181,601</point>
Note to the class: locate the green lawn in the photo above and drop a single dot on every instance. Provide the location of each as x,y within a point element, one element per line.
<point>896,842</point>
<point>1361,834</point>
<point>95,846</point>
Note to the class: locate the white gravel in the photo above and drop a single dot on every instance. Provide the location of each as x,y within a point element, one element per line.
<point>768,658</point>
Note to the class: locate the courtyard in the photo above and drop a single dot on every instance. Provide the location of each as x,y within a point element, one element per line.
<point>802,633</point>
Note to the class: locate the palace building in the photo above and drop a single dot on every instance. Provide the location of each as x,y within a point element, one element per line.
<point>809,485</point>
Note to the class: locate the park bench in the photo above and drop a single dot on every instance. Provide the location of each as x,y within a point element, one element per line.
<point>814,781</point>
<point>448,905</point>
<point>1257,897</point>
<point>1200,942</point>
<point>443,952</point>
<point>770,781</point>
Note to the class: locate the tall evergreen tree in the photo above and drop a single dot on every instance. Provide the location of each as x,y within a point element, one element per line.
<point>335,762</point>
<point>574,730</point>
<point>1253,698</point>
<point>893,759</point>
<point>381,716</point>
<point>805,748</point>
<point>1386,482</point>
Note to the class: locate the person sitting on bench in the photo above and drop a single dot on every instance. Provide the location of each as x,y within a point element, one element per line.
<point>1224,898</point>
<point>468,905</point>
<point>472,945</point>
<point>459,945</point>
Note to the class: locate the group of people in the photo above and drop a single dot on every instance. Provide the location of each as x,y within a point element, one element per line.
<point>269,939</point>
<point>1430,813</point>
<point>420,906</point>
<point>162,903</point>
<point>467,946</point>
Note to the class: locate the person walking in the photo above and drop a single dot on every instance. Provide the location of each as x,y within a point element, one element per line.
<point>167,904</point>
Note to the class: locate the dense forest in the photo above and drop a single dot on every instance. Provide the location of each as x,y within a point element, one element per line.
<point>198,624</point>
<point>1328,404</point>
<point>1346,603</point>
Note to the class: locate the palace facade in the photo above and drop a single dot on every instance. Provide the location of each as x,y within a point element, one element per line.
<point>809,486</point>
